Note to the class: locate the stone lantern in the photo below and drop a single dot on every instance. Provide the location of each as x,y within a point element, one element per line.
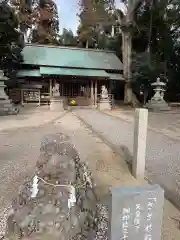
<point>6,107</point>
<point>157,102</point>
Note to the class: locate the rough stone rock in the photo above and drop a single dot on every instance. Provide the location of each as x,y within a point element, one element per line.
<point>48,215</point>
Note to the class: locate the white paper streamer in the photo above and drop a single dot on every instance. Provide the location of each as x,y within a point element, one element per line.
<point>34,189</point>
<point>72,197</point>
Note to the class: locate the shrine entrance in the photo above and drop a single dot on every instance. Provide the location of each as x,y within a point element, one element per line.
<point>84,91</point>
<point>71,89</point>
<point>76,90</point>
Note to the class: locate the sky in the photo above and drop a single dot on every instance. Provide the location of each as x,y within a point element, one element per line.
<point>67,10</point>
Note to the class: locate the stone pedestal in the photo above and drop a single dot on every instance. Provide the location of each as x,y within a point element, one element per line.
<point>158,105</point>
<point>57,104</point>
<point>139,146</point>
<point>6,106</point>
<point>104,104</point>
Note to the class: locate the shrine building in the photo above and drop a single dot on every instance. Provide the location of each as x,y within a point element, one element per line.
<point>79,72</point>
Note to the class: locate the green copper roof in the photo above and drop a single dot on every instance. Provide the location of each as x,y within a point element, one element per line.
<point>69,72</point>
<point>73,72</point>
<point>44,55</point>
<point>29,73</point>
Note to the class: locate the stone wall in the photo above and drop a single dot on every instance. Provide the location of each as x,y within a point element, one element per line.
<point>63,204</point>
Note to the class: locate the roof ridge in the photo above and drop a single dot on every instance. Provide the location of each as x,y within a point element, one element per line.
<point>72,48</point>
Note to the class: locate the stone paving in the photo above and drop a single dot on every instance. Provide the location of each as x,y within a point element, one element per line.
<point>162,159</point>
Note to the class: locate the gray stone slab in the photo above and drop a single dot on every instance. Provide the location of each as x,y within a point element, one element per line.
<point>104,105</point>
<point>56,104</point>
<point>136,213</point>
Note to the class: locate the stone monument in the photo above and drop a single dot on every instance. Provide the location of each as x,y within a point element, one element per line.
<point>59,202</point>
<point>136,213</point>
<point>157,102</point>
<point>56,102</point>
<point>104,102</point>
<point>6,106</point>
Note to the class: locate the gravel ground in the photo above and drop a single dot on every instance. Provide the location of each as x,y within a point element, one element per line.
<point>167,123</point>
<point>109,169</point>
<point>20,150</point>
<point>18,155</point>
<point>162,158</point>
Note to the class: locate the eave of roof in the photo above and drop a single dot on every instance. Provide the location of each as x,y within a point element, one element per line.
<point>47,71</point>
<point>73,72</point>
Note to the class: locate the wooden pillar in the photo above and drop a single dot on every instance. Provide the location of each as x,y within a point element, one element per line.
<point>22,97</point>
<point>110,87</point>
<point>110,92</point>
<point>62,89</point>
<point>50,87</point>
<point>92,91</point>
<point>95,93</point>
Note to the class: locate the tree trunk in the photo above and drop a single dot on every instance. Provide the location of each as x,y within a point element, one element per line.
<point>127,60</point>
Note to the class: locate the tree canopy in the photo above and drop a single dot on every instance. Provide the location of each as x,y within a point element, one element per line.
<point>67,38</point>
<point>156,38</point>
<point>11,40</point>
<point>38,19</point>
<point>155,28</point>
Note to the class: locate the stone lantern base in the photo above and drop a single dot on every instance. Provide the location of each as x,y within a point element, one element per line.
<point>104,104</point>
<point>158,105</point>
<point>6,106</point>
<point>57,104</point>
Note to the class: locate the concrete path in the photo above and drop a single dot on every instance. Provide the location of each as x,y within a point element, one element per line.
<point>162,160</point>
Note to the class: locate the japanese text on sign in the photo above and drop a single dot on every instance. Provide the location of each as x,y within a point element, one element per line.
<point>148,228</point>
<point>137,217</point>
<point>125,222</point>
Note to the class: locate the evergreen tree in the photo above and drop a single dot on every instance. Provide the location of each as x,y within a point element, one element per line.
<point>38,20</point>
<point>67,38</point>
<point>47,28</point>
<point>26,12</point>
<point>156,43</point>
<point>11,43</point>
<point>92,18</point>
